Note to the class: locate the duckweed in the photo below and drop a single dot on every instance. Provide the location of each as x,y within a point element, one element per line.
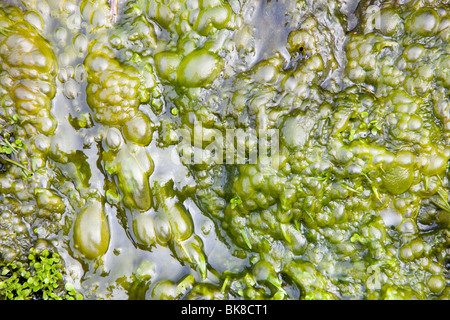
<point>333,126</point>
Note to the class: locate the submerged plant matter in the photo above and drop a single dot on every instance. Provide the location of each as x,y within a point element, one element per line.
<point>350,200</point>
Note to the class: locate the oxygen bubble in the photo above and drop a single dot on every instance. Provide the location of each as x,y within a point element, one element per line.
<point>91,233</point>
<point>71,90</point>
<point>423,22</point>
<point>34,19</point>
<point>199,68</point>
<point>80,43</point>
<point>138,129</point>
<point>60,35</point>
<point>80,75</point>
<point>114,138</point>
<point>414,52</point>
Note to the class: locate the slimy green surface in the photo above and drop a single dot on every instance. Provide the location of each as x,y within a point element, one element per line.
<point>94,180</point>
